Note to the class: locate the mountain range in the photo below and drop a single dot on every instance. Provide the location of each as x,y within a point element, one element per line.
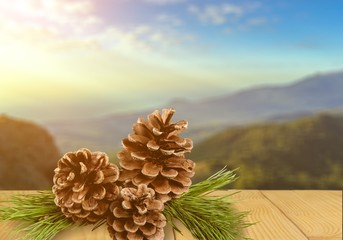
<point>316,93</point>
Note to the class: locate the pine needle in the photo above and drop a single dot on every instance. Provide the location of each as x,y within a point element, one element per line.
<point>208,217</point>
<point>41,218</point>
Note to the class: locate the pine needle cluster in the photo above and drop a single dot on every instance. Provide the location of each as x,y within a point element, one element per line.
<point>209,217</point>
<point>40,218</point>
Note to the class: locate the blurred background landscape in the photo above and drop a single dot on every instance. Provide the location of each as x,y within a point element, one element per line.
<point>260,82</point>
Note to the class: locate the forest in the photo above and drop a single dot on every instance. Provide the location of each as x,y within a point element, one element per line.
<point>301,154</point>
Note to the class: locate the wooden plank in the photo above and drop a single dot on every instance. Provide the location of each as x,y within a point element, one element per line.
<point>271,223</point>
<point>84,233</point>
<point>325,238</point>
<point>318,214</point>
<point>185,233</point>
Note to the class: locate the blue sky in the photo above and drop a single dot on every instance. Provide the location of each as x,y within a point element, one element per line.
<point>110,56</point>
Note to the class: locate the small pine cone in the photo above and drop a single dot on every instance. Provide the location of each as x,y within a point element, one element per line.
<point>84,185</point>
<point>155,155</point>
<point>137,215</point>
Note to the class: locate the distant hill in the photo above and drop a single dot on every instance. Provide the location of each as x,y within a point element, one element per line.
<point>307,96</point>
<point>28,155</point>
<point>300,154</point>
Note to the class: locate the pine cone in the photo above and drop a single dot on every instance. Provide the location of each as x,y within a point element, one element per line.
<point>155,155</point>
<point>137,216</point>
<point>84,185</point>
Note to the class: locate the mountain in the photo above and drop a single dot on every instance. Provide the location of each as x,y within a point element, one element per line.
<point>307,96</point>
<point>300,154</point>
<point>314,93</point>
<point>28,155</point>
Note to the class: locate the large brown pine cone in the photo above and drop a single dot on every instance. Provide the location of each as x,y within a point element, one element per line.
<point>84,185</point>
<point>137,215</point>
<point>155,155</point>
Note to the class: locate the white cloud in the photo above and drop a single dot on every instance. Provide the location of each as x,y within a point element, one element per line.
<point>28,32</point>
<point>222,13</point>
<point>59,28</point>
<point>170,20</point>
<point>69,45</point>
<point>144,37</point>
<point>65,17</point>
<point>216,14</point>
<point>228,30</point>
<point>257,21</point>
<point>49,26</point>
<point>75,7</point>
<point>164,2</point>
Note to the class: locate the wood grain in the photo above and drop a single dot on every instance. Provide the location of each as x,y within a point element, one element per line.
<point>318,214</point>
<point>271,224</point>
<point>310,215</point>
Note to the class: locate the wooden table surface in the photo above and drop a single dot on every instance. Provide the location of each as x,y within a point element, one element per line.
<point>288,215</point>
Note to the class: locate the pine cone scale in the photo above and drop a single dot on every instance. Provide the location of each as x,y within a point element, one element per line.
<point>142,179</point>
<point>99,193</point>
<point>78,197</point>
<point>83,168</point>
<point>151,170</point>
<point>140,155</point>
<point>120,213</point>
<point>135,236</point>
<point>134,138</point>
<point>130,226</point>
<point>148,229</point>
<point>120,236</point>
<point>177,189</point>
<point>68,202</point>
<point>89,204</point>
<point>161,185</point>
<point>155,120</point>
<point>101,209</point>
<point>128,162</point>
<point>142,129</point>
<point>155,204</point>
<point>71,177</point>
<point>169,173</point>
<point>78,187</point>
<point>75,210</point>
<point>99,177</point>
<point>152,145</point>
<point>139,220</point>
<point>167,114</point>
<point>118,225</point>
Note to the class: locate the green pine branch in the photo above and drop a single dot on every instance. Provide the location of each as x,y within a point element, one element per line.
<point>208,217</point>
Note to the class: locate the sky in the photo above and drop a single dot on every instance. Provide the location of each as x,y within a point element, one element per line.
<point>62,59</point>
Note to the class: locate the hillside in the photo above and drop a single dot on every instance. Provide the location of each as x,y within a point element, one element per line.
<point>300,154</point>
<point>28,155</point>
<point>304,97</point>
